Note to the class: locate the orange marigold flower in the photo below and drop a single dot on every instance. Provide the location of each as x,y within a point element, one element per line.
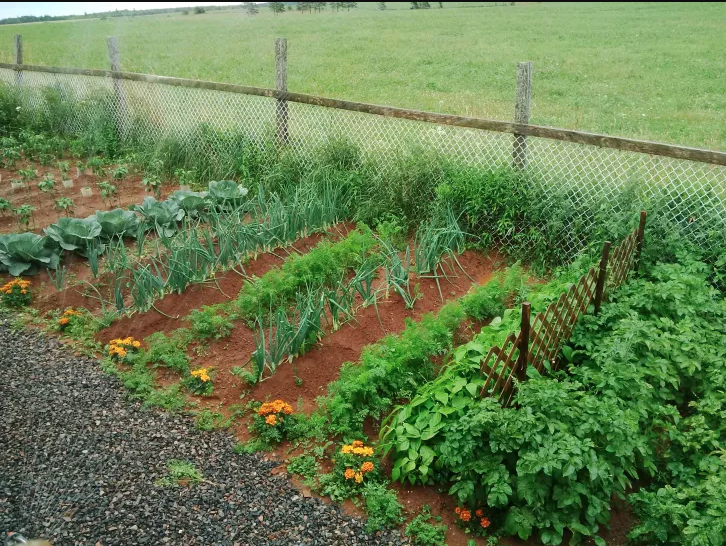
<point>457,510</point>
<point>485,523</point>
<point>349,474</point>
<point>358,477</point>
<point>271,420</point>
<point>23,291</point>
<point>367,467</point>
<point>64,321</point>
<point>465,515</point>
<point>479,513</point>
<point>357,443</point>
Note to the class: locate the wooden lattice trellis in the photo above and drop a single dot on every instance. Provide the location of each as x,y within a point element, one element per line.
<point>539,340</point>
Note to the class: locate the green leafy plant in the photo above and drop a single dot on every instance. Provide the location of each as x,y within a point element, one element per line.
<point>168,350</point>
<point>97,165</point>
<point>160,215</point>
<point>25,253</point>
<point>303,465</point>
<point>382,507</point>
<point>192,203</point>
<point>425,533</point>
<point>120,172</point>
<point>186,177</point>
<point>5,206</point>
<point>64,167</point>
<point>24,215</point>
<point>47,185</point>
<point>354,468</point>
<point>117,223</point>
<point>79,235</point>
<point>207,324</point>
<point>227,194</point>
<point>108,191</point>
<point>152,183</point>
<point>180,473</point>
<point>66,205</point>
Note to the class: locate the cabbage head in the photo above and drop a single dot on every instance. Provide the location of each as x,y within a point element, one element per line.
<point>227,193</point>
<point>25,253</point>
<point>81,235</point>
<point>117,223</point>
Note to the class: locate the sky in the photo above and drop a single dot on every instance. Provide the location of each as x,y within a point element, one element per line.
<point>16,9</point>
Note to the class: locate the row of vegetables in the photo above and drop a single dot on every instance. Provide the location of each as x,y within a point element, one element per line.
<point>26,253</point>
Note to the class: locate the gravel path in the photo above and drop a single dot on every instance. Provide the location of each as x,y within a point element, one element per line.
<point>78,463</point>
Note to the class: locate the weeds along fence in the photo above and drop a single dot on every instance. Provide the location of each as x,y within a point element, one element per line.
<point>594,174</point>
<point>539,340</point>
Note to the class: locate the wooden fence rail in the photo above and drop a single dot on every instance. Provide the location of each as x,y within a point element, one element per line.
<point>540,339</point>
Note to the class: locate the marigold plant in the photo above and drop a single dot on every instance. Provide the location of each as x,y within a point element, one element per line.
<point>270,421</point>
<point>199,382</point>
<point>354,467</point>
<point>68,317</point>
<point>475,526</point>
<point>122,349</point>
<point>16,293</point>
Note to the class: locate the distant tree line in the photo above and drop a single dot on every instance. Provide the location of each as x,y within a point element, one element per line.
<point>317,7</point>
<point>106,14</point>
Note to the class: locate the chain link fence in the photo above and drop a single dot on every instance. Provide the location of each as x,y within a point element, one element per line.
<point>588,174</point>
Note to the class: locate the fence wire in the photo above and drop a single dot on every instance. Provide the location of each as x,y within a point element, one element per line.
<point>588,174</point>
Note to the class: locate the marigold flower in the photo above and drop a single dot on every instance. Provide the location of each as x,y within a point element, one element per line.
<point>465,515</point>
<point>485,523</point>
<point>358,477</point>
<point>23,291</point>
<point>271,420</point>
<point>357,443</point>
<point>367,467</point>
<point>346,449</point>
<point>457,510</point>
<point>64,321</point>
<point>349,473</point>
<point>479,513</point>
<point>136,344</point>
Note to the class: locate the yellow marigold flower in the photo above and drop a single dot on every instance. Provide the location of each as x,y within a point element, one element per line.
<point>346,449</point>
<point>136,344</point>
<point>23,291</point>
<point>367,467</point>
<point>349,473</point>
<point>64,321</point>
<point>271,420</point>
<point>358,477</point>
<point>357,443</point>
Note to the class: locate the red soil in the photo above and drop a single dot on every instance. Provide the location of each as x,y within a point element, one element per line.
<point>129,190</point>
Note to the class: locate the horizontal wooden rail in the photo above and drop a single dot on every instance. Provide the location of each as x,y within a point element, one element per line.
<point>566,135</point>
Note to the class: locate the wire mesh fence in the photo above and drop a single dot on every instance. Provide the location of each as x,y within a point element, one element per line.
<point>691,191</point>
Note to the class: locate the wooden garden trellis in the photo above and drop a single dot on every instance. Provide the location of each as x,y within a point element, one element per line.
<point>540,338</point>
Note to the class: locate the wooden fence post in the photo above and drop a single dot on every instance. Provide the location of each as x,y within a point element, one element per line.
<point>521,113</point>
<point>114,57</point>
<point>18,56</point>
<point>600,286</point>
<point>524,343</point>
<point>641,237</point>
<point>281,85</point>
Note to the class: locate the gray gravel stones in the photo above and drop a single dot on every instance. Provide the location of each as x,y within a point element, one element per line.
<point>78,463</point>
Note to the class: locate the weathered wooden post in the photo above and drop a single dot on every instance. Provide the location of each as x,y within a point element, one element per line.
<point>600,286</point>
<point>521,113</point>
<point>641,237</point>
<point>281,85</point>
<point>524,343</point>
<point>18,56</point>
<point>114,57</point>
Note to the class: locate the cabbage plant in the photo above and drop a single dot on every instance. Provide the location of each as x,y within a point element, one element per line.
<point>193,203</point>
<point>227,193</point>
<point>161,215</point>
<point>117,223</point>
<point>25,253</point>
<point>80,235</point>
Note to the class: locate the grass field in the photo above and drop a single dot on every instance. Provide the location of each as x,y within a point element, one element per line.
<point>652,71</point>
